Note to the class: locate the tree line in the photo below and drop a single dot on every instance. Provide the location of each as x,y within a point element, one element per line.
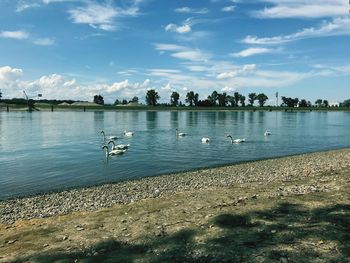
<point>224,100</point>
<point>192,100</point>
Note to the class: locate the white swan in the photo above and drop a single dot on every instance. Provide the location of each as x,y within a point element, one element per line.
<point>109,137</point>
<point>180,134</point>
<point>267,133</point>
<point>205,140</point>
<point>119,146</point>
<point>112,152</point>
<point>235,140</point>
<point>128,133</point>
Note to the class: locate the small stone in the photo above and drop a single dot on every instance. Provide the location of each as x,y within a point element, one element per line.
<point>64,238</point>
<point>45,245</point>
<point>283,260</point>
<point>80,228</point>
<point>156,193</point>
<point>124,221</point>
<point>273,231</point>
<point>11,241</point>
<point>124,229</point>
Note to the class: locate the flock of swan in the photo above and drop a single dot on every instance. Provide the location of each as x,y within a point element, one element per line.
<point>117,149</point>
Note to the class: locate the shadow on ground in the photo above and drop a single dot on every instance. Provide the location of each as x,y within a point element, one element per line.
<point>284,233</point>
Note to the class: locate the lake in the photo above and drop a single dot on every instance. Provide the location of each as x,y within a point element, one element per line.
<point>49,151</point>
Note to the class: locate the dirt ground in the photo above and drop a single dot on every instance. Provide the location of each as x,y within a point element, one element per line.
<point>307,220</point>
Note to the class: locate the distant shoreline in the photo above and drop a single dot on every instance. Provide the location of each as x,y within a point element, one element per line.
<point>21,108</point>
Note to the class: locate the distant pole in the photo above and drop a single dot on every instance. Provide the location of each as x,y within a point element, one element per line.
<point>277,99</point>
<point>7,108</point>
<point>84,108</point>
<point>51,107</point>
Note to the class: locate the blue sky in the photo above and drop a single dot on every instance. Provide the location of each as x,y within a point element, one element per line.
<point>74,49</point>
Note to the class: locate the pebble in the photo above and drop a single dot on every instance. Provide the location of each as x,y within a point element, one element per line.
<point>273,170</point>
<point>11,241</point>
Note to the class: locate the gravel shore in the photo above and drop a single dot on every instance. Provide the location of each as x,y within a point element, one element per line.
<point>93,198</point>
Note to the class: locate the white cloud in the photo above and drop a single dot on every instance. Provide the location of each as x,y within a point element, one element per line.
<point>96,15</point>
<point>169,47</point>
<point>23,5</point>
<point>8,74</point>
<point>56,86</point>
<point>182,52</point>
<point>237,71</point>
<point>192,55</point>
<point>189,10</point>
<point>252,51</point>
<point>303,8</point>
<point>14,34</point>
<point>183,29</point>
<point>44,41</point>
<point>46,2</point>
<point>102,15</point>
<point>230,8</point>
<point>337,27</point>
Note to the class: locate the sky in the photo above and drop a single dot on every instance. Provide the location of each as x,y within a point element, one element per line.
<point>75,49</point>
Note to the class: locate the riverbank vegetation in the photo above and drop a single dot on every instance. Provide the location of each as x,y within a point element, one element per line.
<point>215,101</point>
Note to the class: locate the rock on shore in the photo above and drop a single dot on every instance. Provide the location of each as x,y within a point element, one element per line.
<point>93,198</point>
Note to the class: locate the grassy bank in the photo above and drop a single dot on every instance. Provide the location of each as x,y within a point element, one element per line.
<point>301,218</point>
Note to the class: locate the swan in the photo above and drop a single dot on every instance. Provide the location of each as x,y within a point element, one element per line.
<point>205,140</point>
<point>128,133</point>
<point>235,140</point>
<point>109,137</point>
<point>180,134</point>
<point>267,133</point>
<point>119,146</point>
<point>112,152</point>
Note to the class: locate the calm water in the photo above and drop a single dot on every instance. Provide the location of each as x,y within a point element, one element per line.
<point>48,151</point>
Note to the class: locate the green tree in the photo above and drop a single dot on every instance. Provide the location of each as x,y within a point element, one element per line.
<point>262,98</point>
<point>318,102</point>
<point>236,96</point>
<point>117,102</point>
<point>152,97</point>
<point>223,99</point>
<point>231,100</point>
<point>174,98</point>
<point>242,100</point>
<point>346,103</point>
<point>303,103</point>
<point>289,102</point>
<point>191,98</point>
<point>196,99</point>
<point>325,103</point>
<point>134,100</point>
<point>213,97</point>
<point>98,99</point>
<point>252,98</point>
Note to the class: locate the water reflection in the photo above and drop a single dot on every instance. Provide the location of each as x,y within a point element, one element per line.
<point>192,118</point>
<point>151,119</point>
